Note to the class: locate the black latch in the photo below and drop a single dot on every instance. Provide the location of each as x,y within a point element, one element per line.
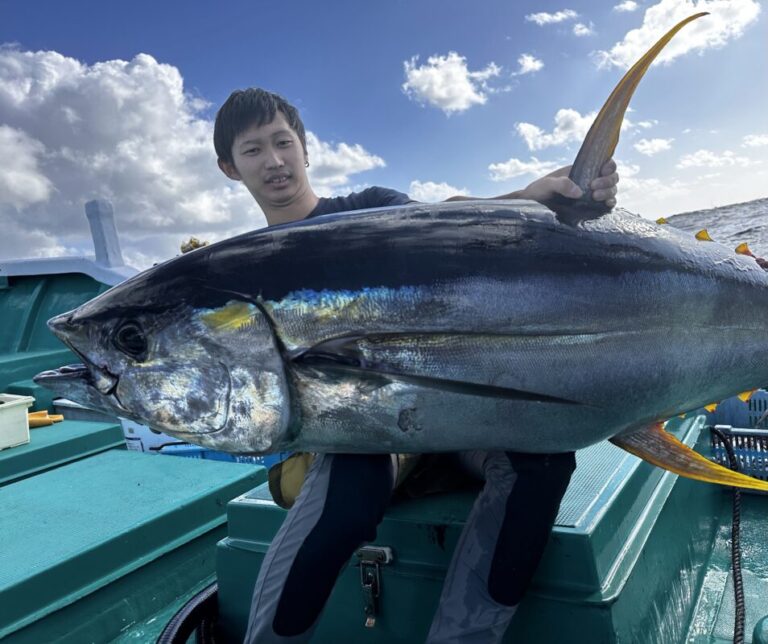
<point>371,558</point>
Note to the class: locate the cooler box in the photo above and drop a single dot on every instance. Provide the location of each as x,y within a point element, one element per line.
<point>193,451</point>
<point>14,425</point>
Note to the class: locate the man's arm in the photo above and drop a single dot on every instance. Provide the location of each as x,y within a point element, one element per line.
<point>558,183</point>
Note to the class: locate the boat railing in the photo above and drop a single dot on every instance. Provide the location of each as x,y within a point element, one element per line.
<point>106,265</point>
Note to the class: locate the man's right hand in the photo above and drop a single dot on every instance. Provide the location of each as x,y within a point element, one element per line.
<point>558,183</point>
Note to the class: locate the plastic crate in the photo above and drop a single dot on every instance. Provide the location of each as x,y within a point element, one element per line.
<point>193,451</point>
<point>737,413</point>
<point>750,447</point>
<point>14,423</point>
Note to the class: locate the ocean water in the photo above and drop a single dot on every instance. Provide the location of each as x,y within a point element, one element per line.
<point>730,225</point>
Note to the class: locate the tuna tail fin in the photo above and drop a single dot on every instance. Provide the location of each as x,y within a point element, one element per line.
<point>662,449</point>
<point>603,136</point>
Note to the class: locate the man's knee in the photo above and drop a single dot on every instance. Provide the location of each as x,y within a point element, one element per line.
<point>531,509</point>
<point>358,493</point>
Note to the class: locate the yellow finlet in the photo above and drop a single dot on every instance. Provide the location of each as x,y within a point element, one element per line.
<point>662,220</point>
<point>703,235</point>
<point>743,249</point>
<point>711,407</point>
<point>663,450</point>
<point>744,396</point>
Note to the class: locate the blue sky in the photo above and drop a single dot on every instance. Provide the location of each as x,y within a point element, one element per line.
<point>430,97</point>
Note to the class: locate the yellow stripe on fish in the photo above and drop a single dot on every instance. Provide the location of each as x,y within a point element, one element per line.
<point>233,315</point>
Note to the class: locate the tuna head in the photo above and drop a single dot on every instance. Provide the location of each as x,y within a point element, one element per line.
<point>211,376</point>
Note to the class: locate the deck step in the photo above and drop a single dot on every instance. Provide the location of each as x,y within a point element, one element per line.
<point>93,525</point>
<point>56,445</point>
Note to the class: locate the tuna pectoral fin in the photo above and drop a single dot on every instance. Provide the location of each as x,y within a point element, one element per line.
<point>661,448</point>
<point>376,377</point>
<point>601,140</point>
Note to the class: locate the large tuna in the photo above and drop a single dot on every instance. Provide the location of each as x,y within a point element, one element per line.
<point>494,325</point>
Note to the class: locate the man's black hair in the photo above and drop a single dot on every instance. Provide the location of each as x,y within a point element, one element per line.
<point>247,107</point>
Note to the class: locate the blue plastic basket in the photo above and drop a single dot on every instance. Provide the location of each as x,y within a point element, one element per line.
<point>750,447</point>
<point>744,423</point>
<point>737,413</point>
<point>193,451</point>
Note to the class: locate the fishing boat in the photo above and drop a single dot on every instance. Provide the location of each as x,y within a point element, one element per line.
<point>104,540</point>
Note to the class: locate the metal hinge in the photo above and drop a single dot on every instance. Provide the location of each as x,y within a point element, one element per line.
<point>371,559</point>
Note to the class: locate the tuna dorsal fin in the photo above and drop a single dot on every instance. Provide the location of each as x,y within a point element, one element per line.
<point>603,136</point>
<point>664,450</point>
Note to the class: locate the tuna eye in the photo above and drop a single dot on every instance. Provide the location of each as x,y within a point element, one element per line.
<point>130,339</point>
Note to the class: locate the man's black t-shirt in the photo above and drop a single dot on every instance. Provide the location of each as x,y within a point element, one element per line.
<point>374,197</point>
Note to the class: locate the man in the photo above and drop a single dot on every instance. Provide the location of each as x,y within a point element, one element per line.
<point>260,141</point>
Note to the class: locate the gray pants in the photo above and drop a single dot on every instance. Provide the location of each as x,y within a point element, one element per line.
<point>343,500</point>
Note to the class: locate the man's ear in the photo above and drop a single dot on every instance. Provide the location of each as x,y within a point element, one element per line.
<point>229,169</point>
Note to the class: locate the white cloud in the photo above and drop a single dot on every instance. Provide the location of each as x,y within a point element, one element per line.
<point>528,64</point>
<point>331,167</point>
<point>580,29</point>
<point>122,130</point>
<point>626,170</point>
<point>570,127</point>
<point>649,147</point>
<point>727,21</point>
<point>709,159</point>
<point>649,196</point>
<point>126,131</point>
<point>429,191</point>
<point>653,190</point>
<point>446,82</point>
<point>18,234</point>
<point>755,140</point>
<point>653,197</point>
<point>516,168</point>
<point>627,5</point>
<point>544,18</point>
<point>21,182</point>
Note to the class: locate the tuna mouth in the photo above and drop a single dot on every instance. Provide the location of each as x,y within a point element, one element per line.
<point>101,379</point>
<point>69,372</point>
<point>83,374</point>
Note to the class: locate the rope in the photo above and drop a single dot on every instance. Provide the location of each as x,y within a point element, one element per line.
<point>738,584</point>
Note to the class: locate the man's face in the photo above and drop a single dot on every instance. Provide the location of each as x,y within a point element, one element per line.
<point>270,161</point>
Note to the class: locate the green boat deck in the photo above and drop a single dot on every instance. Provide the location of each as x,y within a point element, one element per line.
<point>56,445</point>
<point>95,545</point>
